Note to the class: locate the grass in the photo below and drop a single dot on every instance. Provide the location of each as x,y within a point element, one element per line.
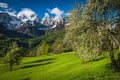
<point>60,67</point>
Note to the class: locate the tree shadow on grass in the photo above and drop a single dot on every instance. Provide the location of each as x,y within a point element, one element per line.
<point>95,60</point>
<point>42,60</point>
<point>26,79</point>
<point>34,65</point>
<point>98,59</point>
<point>109,67</point>
<point>37,63</point>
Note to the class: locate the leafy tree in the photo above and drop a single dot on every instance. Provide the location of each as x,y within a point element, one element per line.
<point>51,42</point>
<point>43,49</point>
<point>95,28</point>
<point>13,55</point>
<point>57,46</point>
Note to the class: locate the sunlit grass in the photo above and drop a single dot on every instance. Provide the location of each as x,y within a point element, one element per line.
<point>60,67</point>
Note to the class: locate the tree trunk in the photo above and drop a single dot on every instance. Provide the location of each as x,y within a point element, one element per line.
<point>118,60</point>
<point>10,66</point>
<point>114,62</point>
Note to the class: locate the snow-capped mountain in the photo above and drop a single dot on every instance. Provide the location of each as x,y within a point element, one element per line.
<point>58,22</point>
<point>28,15</point>
<point>47,20</point>
<point>27,22</point>
<point>9,21</point>
<point>52,22</point>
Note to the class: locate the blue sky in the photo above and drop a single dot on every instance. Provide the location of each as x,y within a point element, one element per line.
<point>38,6</point>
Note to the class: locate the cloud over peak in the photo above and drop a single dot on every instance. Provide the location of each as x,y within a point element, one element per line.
<point>26,11</point>
<point>56,11</point>
<point>27,14</point>
<point>3,5</point>
<point>46,14</point>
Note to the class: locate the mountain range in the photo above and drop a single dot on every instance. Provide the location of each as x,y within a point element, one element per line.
<point>29,23</point>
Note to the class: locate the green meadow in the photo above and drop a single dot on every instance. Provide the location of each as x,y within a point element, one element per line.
<point>66,66</point>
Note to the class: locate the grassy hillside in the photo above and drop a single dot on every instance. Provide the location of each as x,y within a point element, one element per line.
<point>60,67</point>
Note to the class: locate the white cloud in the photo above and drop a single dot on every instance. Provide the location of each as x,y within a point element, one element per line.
<point>68,14</point>
<point>56,11</point>
<point>11,11</point>
<point>26,11</point>
<point>8,10</point>
<point>3,5</point>
<point>46,14</point>
<point>27,14</point>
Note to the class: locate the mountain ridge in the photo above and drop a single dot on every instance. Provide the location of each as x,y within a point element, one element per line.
<point>32,20</point>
